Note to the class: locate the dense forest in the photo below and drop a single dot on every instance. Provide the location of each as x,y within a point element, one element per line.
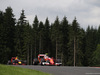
<point>60,39</point>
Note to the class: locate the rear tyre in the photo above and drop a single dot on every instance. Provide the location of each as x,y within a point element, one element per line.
<point>24,62</point>
<point>9,62</point>
<point>58,61</point>
<point>35,61</point>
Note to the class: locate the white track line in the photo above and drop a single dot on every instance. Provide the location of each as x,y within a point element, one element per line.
<point>92,73</point>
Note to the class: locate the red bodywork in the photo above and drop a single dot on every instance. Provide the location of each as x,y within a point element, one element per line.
<point>51,60</point>
<point>40,56</point>
<point>15,61</point>
<point>13,58</point>
<point>47,60</point>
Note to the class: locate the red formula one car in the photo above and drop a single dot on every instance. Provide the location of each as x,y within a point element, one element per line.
<point>45,60</point>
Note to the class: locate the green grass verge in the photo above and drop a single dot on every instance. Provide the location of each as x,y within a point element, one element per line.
<point>11,70</point>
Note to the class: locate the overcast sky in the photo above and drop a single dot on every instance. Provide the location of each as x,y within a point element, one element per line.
<point>87,12</point>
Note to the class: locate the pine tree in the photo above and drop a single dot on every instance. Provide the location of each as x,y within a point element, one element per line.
<point>35,35</point>
<point>1,36</point>
<point>27,42</point>
<point>75,44</point>
<point>96,56</point>
<point>75,31</point>
<point>9,34</point>
<point>64,40</point>
<point>47,41</point>
<point>41,37</point>
<point>82,45</point>
<point>91,44</point>
<point>98,35</point>
<point>19,40</point>
<point>1,17</point>
<point>56,37</point>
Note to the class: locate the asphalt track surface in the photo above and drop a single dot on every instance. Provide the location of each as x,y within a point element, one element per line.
<point>64,70</point>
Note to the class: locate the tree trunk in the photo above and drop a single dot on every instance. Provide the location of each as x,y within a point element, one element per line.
<point>62,58</point>
<point>28,55</point>
<point>74,52</point>
<point>35,45</point>
<point>31,54</point>
<point>56,49</point>
<point>40,45</point>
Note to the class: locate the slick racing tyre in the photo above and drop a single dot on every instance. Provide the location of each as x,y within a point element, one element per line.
<point>35,61</point>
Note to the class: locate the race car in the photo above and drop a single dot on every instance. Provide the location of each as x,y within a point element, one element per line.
<point>43,59</point>
<point>16,61</point>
